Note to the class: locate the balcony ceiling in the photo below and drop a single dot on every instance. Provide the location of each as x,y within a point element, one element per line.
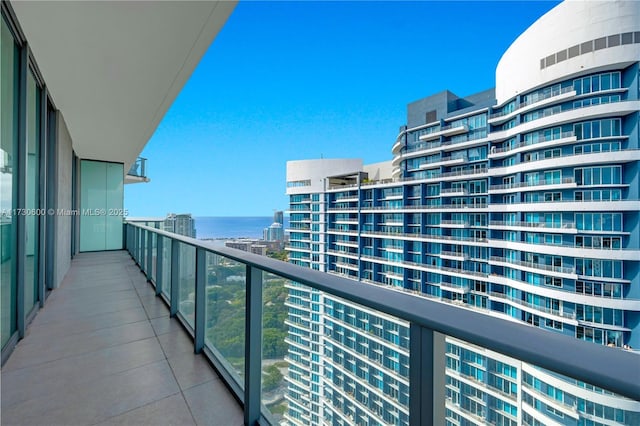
<point>114,68</point>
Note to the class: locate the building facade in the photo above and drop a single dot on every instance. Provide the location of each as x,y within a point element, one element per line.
<point>520,201</point>
<point>274,232</point>
<point>278,217</point>
<point>182,224</point>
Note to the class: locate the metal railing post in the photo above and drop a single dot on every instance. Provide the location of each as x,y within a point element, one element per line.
<point>253,346</point>
<point>201,290</point>
<point>143,250</point>
<point>130,233</point>
<point>159,263</point>
<point>426,376</point>
<point>149,259</point>
<point>175,278</point>
<point>136,253</point>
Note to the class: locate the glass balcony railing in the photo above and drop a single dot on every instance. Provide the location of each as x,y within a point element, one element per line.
<point>139,168</point>
<point>287,339</point>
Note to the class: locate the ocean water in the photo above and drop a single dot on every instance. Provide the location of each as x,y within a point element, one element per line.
<point>233,227</point>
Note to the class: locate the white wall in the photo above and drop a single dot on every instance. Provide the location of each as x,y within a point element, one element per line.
<point>379,171</point>
<point>568,24</point>
<point>64,158</point>
<point>316,171</point>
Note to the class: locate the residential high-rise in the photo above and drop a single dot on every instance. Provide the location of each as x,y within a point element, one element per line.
<point>278,217</point>
<point>274,232</point>
<point>519,201</point>
<point>182,224</point>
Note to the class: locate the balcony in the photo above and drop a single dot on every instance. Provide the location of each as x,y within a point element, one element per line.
<point>551,140</point>
<point>546,99</point>
<point>134,349</point>
<point>106,349</point>
<point>448,130</point>
<point>564,271</point>
<point>560,183</point>
<point>138,171</point>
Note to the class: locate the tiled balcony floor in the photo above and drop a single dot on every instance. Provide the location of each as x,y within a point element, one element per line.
<point>104,351</point>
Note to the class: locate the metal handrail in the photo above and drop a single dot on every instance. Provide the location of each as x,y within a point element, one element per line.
<point>614,370</point>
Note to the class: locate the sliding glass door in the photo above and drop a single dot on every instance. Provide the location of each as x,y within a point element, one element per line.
<point>9,94</point>
<point>32,194</point>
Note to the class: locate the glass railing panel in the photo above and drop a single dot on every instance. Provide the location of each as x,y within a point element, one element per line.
<point>275,348</point>
<point>225,312</point>
<point>493,388</point>
<point>166,266</point>
<point>345,364</point>
<point>187,282</point>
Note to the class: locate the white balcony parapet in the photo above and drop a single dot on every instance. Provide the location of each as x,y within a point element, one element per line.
<point>551,97</point>
<point>448,130</point>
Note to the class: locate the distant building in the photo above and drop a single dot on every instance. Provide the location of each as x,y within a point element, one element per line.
<point>244,245</point>
<point>252,245</point>
<point>278,217</point>
<point>275,232</point>
<point>182,224</point>
<point>260,249</point>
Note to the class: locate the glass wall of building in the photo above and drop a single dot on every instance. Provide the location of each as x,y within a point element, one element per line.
<point>8,142</point>
<point>27,142</point>
<point>34,94</point>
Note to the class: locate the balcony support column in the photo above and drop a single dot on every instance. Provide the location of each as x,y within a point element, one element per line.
<point>201,295</point>
<point>426,376</point>
<point>175,278</point>
<point>253,347</point>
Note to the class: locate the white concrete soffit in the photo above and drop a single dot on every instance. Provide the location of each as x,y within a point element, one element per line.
<point>114,68</point>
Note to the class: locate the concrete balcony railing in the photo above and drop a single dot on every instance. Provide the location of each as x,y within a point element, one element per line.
<point>166,258</point>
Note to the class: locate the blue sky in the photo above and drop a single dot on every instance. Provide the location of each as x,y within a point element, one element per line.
<point>300,80</point>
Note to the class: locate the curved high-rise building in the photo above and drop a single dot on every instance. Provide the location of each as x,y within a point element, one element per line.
<point>521,201</point>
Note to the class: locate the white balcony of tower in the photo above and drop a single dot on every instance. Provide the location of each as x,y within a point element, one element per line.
<point>564,138</point>
<point>552,97</point>
<point>397,146</point>
<point>448,130</point>
<point>564,183</point>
